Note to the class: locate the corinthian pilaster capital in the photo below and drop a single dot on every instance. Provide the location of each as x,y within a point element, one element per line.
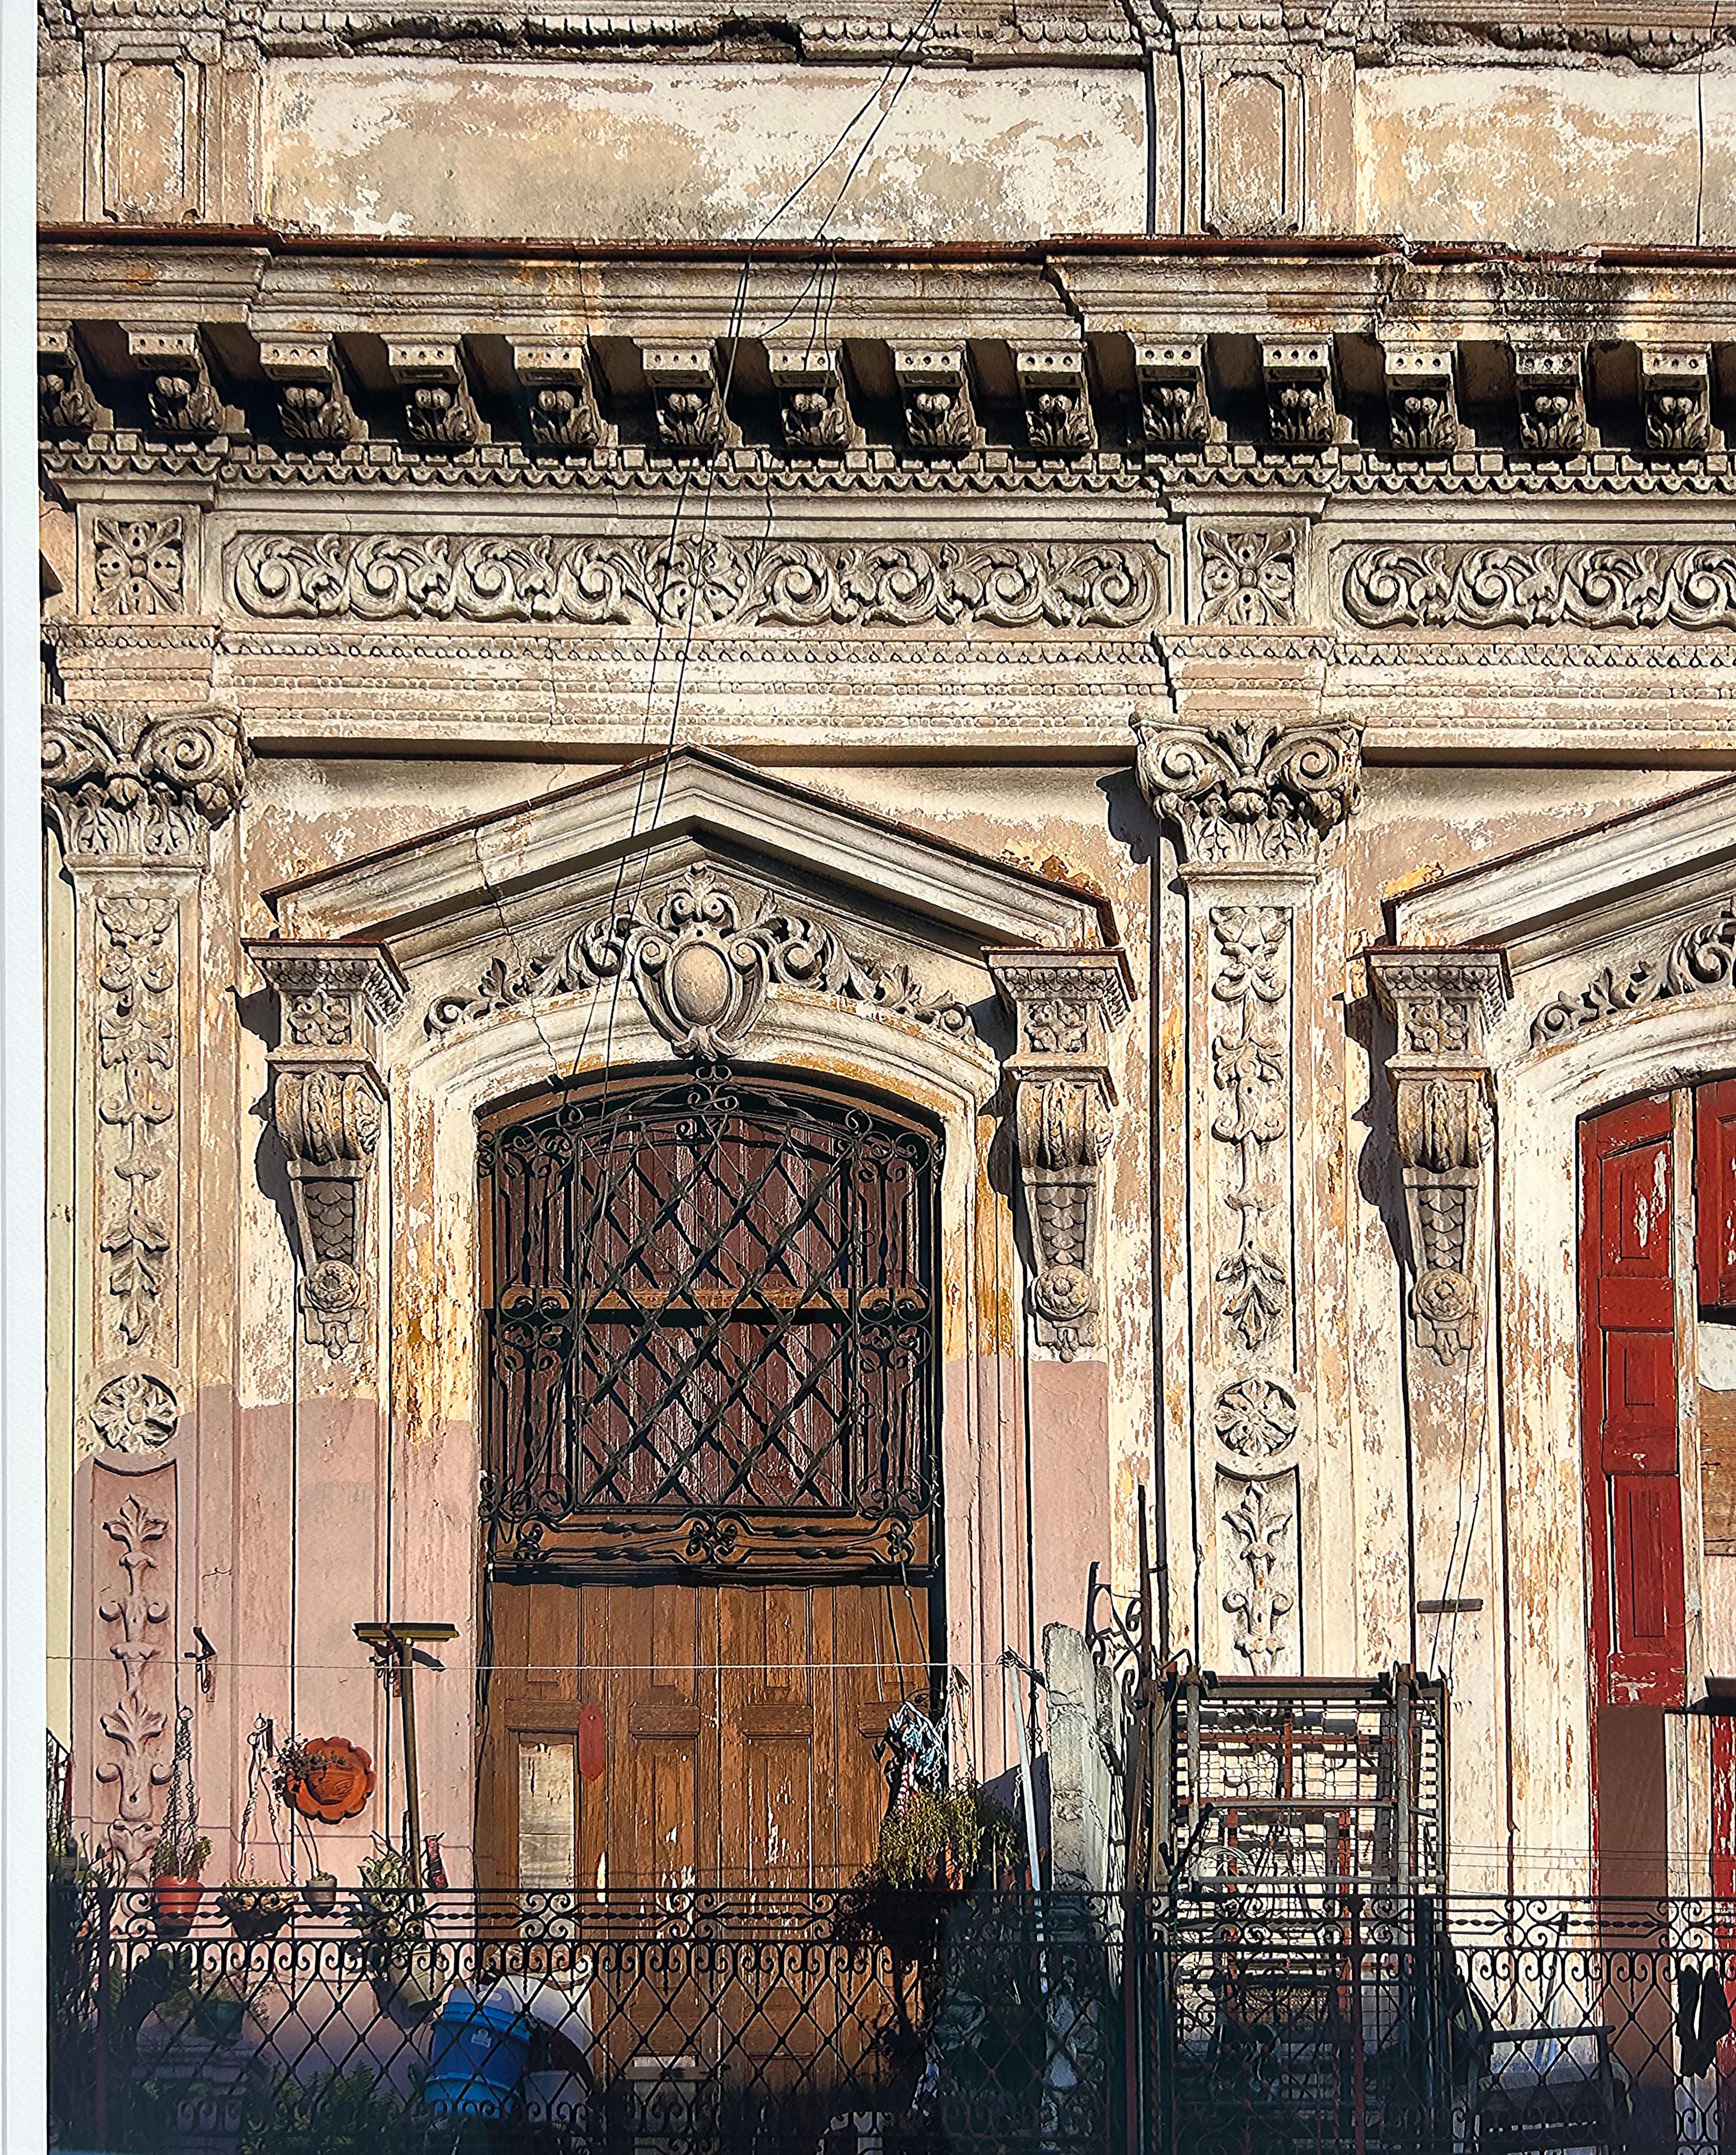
<point>126,783</point>
<point>1259,789</point>
<point>326,1101</point>
<point>1441,1004</point>
<point>1066,1004</point>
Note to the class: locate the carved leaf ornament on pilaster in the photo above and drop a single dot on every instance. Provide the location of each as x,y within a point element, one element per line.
<point>702,957</point>
<point>139,1538</point>
<point>1249,1067</point>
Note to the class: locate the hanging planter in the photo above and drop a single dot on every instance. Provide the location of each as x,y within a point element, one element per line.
<point>175,1863</point>
<point>326,1778</point>
<point>319,1895</point>
<point>255,1909</point>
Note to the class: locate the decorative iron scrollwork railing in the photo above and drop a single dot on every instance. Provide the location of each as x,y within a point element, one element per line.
<point>711,1328</point>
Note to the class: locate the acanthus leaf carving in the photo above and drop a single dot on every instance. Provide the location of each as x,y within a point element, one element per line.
<point>701,957</point>
<point>709,584</point>
<point>138,564</point>
<point>1701,957</point>
<point>126,783</point>
<point>1247,575</point>
<point>1251,789</point>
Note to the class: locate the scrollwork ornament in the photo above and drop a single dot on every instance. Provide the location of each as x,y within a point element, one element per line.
<point>1703,957</point>
<point>1251,789</point>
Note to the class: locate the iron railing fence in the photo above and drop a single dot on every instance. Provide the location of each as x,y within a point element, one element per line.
<point>690,2022</point>
<point>679,2023</point>
<point>1336,2023</point>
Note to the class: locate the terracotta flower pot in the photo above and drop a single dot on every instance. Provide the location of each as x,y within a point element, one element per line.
<point>178,1902</point>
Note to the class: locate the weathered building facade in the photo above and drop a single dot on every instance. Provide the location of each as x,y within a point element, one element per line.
<point>766,891</point>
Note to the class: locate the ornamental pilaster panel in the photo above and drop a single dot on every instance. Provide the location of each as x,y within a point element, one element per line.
<point>327,1101</point>
<point>1065,1004</point>
<point>133,795</point>
<point>1250,794</point>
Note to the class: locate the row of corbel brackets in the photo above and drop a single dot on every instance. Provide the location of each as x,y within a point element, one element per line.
<point>946,397</point>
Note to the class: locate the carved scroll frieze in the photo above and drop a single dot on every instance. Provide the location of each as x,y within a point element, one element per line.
<point>129,783</point>
<point>1592,587</point>
<point>1250,790</point>
<point>1701,957</point>
<point>1441,1003</point>
<point>701,956</point>
<point>326,1103</point>
<point>134,1522</point>
<point>1066,1004</point>
<point>707,585</point>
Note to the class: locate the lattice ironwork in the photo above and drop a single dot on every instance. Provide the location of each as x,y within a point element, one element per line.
<point>708,1295</point>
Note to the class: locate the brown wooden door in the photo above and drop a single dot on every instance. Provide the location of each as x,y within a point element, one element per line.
<point>1628,1386</point>
<point>668,1734</point>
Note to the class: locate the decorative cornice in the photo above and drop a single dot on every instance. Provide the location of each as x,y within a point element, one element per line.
<point>126,784</point>
<point>701,956</point>
<point>1256,789</point>
<point>716,584</point>
<point>1587,587</point>
<point>1701,957</point>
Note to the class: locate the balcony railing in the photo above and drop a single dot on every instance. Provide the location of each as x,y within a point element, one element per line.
<point>1240,2023</point>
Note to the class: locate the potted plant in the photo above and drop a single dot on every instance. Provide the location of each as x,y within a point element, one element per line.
<point>255,1908</point>
<point>389,1911</point>
<point>320,1894</point>
<point>175,1887</point>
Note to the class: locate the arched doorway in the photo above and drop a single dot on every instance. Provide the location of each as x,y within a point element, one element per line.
<point>709,1505</point>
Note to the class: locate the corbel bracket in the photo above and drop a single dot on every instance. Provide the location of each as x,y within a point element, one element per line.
<point>182,398</point>
<point>812,402</point>
<point>1675,401</point>
<point>325,1102</point>
<point>1421,409</point>
<point>64,402</point>
<point>439,412</point>
<point>1299,408</point>
<point>1173,404</point>
<point>1065,1004</point>
<point>1442,1003</point>
<point>1550,382</point>
<point>688,397</point>
<point>560,408</point>
<point>1058,406</point>
<point>311,400</point>
<point>936,386</point>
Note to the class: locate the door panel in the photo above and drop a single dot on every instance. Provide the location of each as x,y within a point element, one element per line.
<point>1628,1393</point>
<point>739,1726</point>
<point>1715,1193</point>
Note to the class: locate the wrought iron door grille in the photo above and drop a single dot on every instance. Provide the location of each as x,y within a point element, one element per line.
<point>709,1295</point>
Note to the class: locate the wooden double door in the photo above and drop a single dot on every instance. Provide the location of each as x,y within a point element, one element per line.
<point>664,1734</point>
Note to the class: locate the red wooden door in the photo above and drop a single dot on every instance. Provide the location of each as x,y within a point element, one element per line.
<point>1628,1393</point>
<point>1715,1193</point>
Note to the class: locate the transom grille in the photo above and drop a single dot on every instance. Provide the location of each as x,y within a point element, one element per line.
<point>709,1295</point>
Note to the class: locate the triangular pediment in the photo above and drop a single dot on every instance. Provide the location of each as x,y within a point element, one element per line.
<point>1637,909</point>
<point>783,885</point>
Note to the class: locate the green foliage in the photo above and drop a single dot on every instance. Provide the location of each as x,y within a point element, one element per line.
<point>179,1853</point>
<point>340,2114</point>
<point>943,1838</point>
<point>386,1908</point>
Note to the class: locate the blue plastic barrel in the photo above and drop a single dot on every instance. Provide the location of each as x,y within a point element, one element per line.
<point>480,2049</point>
